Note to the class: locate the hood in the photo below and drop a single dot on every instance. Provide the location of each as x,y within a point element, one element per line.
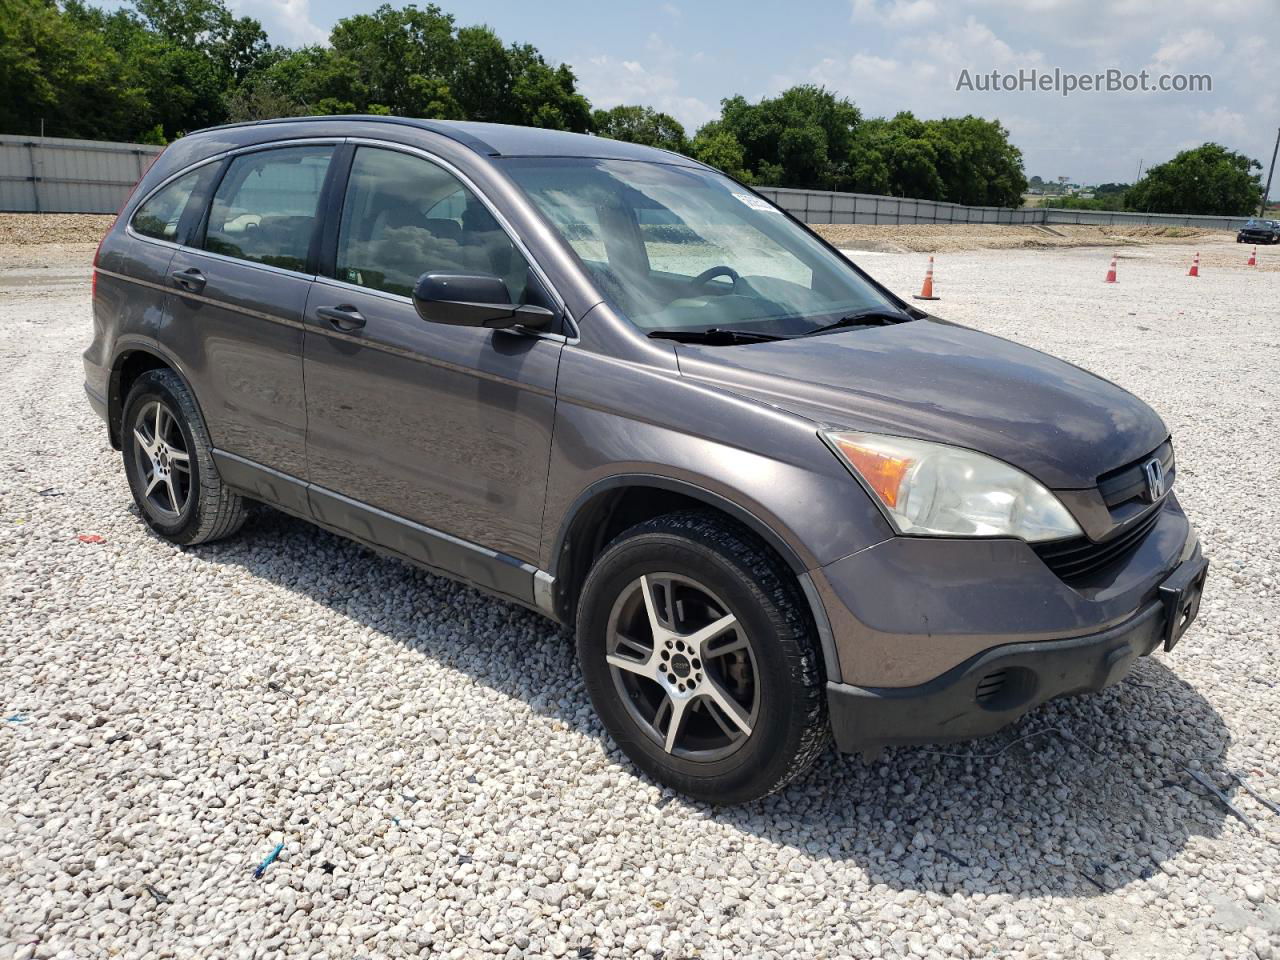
<point>933,380</point>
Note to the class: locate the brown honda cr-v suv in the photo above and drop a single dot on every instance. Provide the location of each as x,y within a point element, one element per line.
<point>606,382</point>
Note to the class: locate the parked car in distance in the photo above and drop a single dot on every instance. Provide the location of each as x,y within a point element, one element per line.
<point>1259,231</point>
<point>777,502</point>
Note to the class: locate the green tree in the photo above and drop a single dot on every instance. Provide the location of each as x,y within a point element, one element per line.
<point>717,147</point>
<point>52,69</point>
<point>1112,202</point>
<point>400,58</point>
<point>546,96</point>
<point>233,44</point>
<point>1209,179</point>
<point>800,138</point>
<point>309,80</point>
<point>263,100</point>
<point>483,76</point>
<point>958,159</point>
<point>896,157</point>
<point>976,162</point>
<point>413,62</point>
<point>643,125</point>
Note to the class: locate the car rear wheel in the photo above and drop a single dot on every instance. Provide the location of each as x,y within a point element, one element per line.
<point>701,658</point>
<point>168,460</point>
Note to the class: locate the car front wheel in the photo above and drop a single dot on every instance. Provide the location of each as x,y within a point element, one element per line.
<point>701,658</point>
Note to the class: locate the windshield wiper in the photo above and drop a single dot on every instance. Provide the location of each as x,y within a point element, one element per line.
<point>859,318</point>
<point>716,336</point>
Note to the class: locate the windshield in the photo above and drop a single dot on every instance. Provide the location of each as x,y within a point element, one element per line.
<point>683,249</point>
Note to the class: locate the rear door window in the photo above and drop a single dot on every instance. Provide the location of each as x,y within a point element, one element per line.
<point>264,210</point>
<point>404,216</point>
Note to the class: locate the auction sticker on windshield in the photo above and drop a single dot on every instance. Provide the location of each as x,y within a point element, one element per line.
<point>755,203</point>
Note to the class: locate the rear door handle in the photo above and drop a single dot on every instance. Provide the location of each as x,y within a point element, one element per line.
<point>344,317</point>
<point>190,279</point>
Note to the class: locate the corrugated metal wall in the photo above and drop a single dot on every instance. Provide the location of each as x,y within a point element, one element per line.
<point>817,206</point>
<point>55,175</point>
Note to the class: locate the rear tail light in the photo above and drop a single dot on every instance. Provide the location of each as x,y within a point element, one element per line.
<point>93,284</point>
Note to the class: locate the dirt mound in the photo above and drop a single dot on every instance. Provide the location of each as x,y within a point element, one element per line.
<point>29,229</point>
<point>933,237</point>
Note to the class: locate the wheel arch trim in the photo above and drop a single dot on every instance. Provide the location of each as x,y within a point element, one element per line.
<point>580,508</point>
<point>126,346</point>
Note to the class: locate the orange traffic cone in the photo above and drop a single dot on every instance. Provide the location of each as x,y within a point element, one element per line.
<point>1195,266</point>
<point>1253,258</point>
<point>926,292</point>
<point>1111,274</point>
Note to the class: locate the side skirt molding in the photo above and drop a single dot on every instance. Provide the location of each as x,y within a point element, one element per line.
<point>424,546</point>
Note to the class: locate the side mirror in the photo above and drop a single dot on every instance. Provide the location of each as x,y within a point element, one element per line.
<point>479,300</point>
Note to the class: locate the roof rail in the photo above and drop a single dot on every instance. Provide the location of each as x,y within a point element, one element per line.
<point>434,126</point>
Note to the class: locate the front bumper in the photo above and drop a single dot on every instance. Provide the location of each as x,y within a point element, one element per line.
<point>96,400</point>
<point>994,688</point>
<point>909,609</point>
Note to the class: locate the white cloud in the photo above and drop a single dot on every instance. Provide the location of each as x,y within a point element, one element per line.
<point>608,82</point>
<point>975,46</point>
<point>894,55</point>
<point>895,13</point>
<point>890,63</point>
<point>1196,47</point>
<point>1222,124</point>
<point>288,22</point>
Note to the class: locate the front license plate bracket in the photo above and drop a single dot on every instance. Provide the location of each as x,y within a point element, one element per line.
<point>1181,594</point>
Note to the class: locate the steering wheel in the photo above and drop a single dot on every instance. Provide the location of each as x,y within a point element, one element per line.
<point>721,271</point>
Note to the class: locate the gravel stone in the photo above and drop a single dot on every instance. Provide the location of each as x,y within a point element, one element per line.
<point>429,760</point>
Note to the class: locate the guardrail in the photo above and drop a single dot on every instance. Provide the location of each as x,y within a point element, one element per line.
<point>57,175</point>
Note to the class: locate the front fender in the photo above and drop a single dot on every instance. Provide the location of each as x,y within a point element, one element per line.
<point>617,420</point>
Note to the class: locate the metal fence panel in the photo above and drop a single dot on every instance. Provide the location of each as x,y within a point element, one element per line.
<point>57,175</point>
<point>821,206</point>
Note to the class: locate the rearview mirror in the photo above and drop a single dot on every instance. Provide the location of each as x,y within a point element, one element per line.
<point>474,300</point>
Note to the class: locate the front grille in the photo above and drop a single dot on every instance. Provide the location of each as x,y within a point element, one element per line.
<point>1075,560</point>
<point>1130,481</point>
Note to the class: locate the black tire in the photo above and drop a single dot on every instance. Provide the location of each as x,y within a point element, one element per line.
<point>208,511</point>
<point>790,728</point>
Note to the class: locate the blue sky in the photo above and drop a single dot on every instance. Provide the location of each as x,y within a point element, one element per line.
<point>888,55</point>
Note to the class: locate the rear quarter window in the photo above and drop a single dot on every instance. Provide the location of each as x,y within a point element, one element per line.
<point>161,215</point>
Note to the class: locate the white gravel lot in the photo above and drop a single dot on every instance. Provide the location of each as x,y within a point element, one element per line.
<point>431,765</point>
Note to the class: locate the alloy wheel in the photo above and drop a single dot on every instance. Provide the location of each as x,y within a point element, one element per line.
<point>163,462</point>
<point>684,667</point>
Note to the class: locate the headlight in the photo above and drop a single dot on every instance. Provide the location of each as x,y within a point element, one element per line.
<point>931,489</point>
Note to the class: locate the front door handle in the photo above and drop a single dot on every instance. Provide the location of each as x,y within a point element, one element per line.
<point>191,279</point>
<point>344,317</point>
